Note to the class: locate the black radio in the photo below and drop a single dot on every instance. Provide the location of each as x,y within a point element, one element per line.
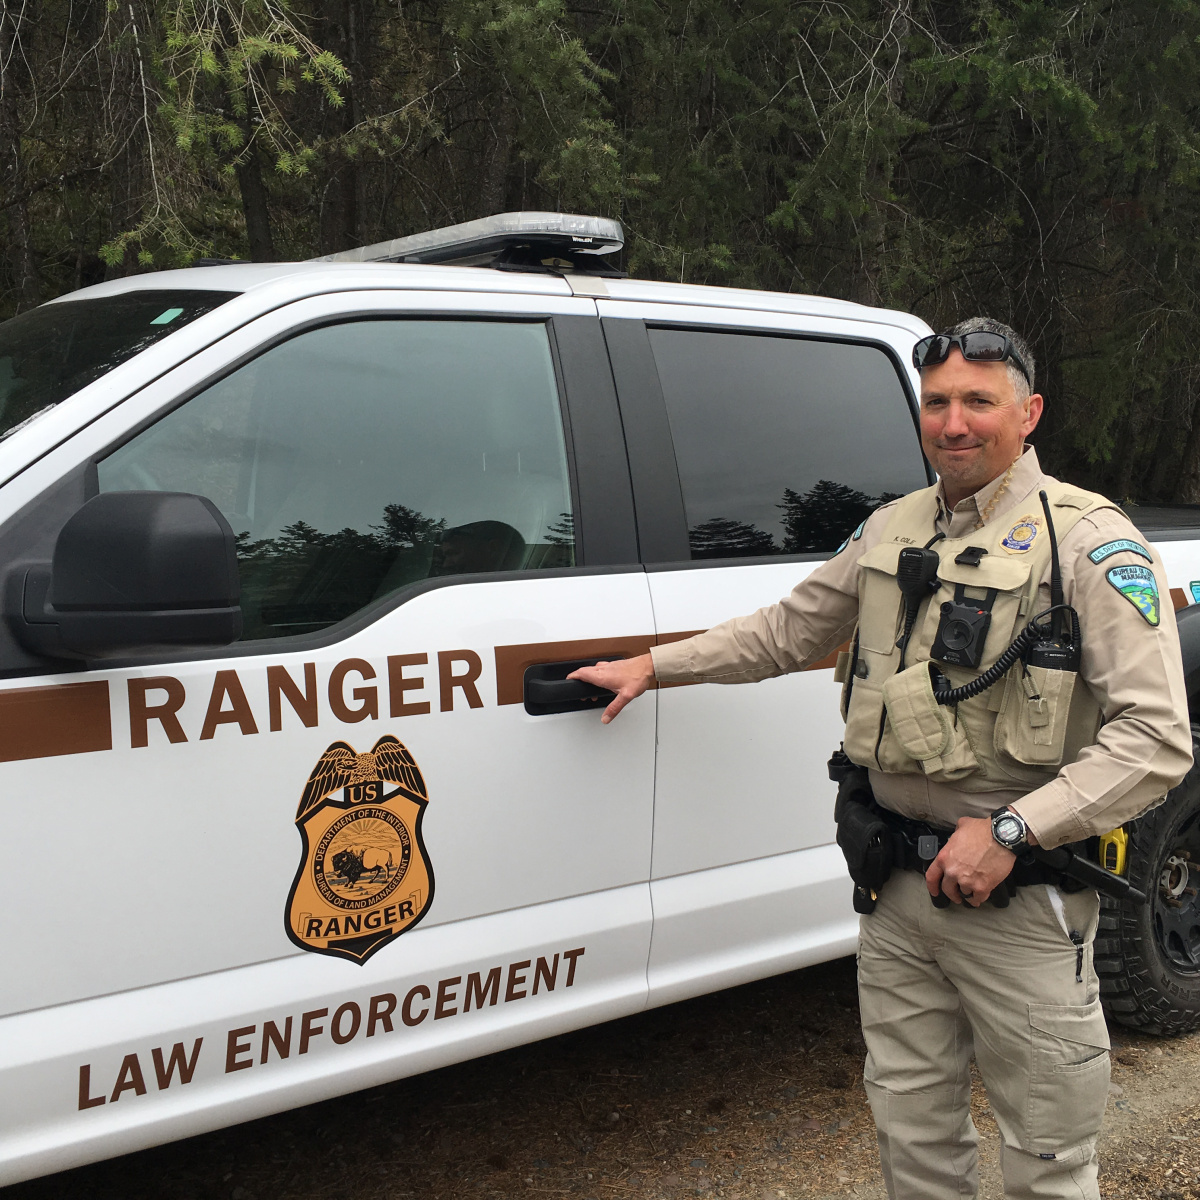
<point>963,629</point>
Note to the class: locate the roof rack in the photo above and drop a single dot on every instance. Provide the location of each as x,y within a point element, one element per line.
<point>516,241</point>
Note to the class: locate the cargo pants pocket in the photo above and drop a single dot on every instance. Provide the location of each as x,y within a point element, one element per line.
<point>1068,1076</point>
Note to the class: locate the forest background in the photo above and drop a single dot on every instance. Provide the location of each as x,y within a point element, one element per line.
<point>1038,161</point>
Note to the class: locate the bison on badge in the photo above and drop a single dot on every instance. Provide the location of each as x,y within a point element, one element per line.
<point>353,864</point>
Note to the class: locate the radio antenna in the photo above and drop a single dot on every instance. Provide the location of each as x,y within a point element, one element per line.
<point>1059,616</point>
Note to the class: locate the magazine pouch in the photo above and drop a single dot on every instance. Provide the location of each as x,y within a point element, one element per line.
<point>926,730</point>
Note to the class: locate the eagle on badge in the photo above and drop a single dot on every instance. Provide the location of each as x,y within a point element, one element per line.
<point>340,767</point>
<point>364,876</point>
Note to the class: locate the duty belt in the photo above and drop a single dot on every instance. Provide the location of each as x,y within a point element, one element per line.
<point>876,840</point>
<point>917,844</point>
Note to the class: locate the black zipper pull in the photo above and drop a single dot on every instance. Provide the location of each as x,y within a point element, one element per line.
<point>1077,938</point>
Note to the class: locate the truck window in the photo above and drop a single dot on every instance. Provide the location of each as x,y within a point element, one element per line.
<point>356,459</point>
<point>783,444</point>
<point>52,351</point>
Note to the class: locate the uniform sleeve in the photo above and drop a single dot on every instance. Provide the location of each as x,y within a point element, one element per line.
<point>1133,667</point>
<point>817,616</point>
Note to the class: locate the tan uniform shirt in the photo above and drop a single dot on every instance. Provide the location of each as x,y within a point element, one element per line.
<point>1132,668</point>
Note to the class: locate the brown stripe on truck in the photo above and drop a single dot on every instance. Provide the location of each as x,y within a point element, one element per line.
<point>40,722</point>
<point>511,661</point>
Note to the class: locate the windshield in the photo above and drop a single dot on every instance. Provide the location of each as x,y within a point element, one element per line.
<point>50,352</point>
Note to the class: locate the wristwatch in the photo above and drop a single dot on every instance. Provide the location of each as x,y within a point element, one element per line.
<point>1009,830</point>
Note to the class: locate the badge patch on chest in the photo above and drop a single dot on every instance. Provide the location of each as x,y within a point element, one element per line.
<point>1110,548</point>
<point>364,876</point>
<point>1139,587</point>
<point>1020,537</point>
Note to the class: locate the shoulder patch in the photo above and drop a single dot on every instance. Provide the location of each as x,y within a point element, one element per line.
<point>1138,586</point>
<point>1110,548</point>
<point>853,537</point>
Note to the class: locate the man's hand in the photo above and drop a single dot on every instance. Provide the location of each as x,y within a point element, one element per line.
<point>971,865</point>
<point>628,677</point>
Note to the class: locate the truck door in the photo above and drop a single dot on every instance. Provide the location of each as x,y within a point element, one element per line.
<point>340,850</point>
<point>782,444</point>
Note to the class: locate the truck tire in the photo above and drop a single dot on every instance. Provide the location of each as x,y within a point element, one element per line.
<point>1148,955</point>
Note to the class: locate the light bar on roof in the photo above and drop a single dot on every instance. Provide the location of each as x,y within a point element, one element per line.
<point>481,240</point>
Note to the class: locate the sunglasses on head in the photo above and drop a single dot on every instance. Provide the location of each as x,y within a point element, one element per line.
<point>974,347</point>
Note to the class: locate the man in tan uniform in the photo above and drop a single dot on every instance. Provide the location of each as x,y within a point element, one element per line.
<point>1071,755</point>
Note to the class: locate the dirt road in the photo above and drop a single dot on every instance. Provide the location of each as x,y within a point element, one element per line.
<point>753,1093</point>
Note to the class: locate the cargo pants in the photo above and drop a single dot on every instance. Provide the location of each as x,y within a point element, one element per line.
<point>1009,987</point>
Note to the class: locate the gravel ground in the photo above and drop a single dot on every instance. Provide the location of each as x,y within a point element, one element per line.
<point>753,1093</point>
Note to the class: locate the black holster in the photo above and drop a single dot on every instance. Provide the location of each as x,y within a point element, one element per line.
<point>865,837</point>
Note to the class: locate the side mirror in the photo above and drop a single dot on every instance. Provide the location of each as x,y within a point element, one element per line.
<point>132,571</point>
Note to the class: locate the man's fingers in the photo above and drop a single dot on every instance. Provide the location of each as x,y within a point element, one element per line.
<point>591,675</point>
<point>933,877</point>
<point>628,677</point>
<point>614,707</point>
<point>973,892</point>
<point>942,877</point>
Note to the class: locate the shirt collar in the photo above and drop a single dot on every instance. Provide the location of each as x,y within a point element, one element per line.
<point>1026,474</point>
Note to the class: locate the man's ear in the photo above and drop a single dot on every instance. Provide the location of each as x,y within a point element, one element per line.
<point>1033,414</point>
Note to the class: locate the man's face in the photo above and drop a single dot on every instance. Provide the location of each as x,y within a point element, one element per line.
<point>972,425</point>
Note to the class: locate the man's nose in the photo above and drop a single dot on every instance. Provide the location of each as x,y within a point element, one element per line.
<point>956,420</point>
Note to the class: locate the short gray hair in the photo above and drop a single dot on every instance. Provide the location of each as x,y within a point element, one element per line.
<point>1022,386</point>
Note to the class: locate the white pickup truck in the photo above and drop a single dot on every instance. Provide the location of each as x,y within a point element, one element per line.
<point>295,796</point>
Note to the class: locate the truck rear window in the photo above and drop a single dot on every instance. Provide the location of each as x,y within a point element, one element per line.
<point>784,444</point>
<point>50,352</point>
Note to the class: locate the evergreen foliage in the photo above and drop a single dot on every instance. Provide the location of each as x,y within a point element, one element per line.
<point>824,515</point>
<point>1036,160</point>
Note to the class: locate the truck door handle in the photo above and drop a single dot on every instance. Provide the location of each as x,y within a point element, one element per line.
<point>548,690</point>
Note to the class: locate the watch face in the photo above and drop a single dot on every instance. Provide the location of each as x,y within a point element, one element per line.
<point>1007,830</point>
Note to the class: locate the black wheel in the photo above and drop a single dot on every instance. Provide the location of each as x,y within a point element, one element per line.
<point>1148,955</point>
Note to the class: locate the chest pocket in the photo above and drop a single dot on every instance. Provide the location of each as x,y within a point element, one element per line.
<point>1009,577</point>
<point>881,611</point>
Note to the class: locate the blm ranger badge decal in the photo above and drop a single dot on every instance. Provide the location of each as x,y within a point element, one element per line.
<point>1139,587</point>
<point>1020,537</point>
<point>1110,548</point>
<point>364,876</point>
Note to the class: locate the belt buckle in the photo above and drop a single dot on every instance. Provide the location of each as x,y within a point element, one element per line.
<point>927,847</point>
